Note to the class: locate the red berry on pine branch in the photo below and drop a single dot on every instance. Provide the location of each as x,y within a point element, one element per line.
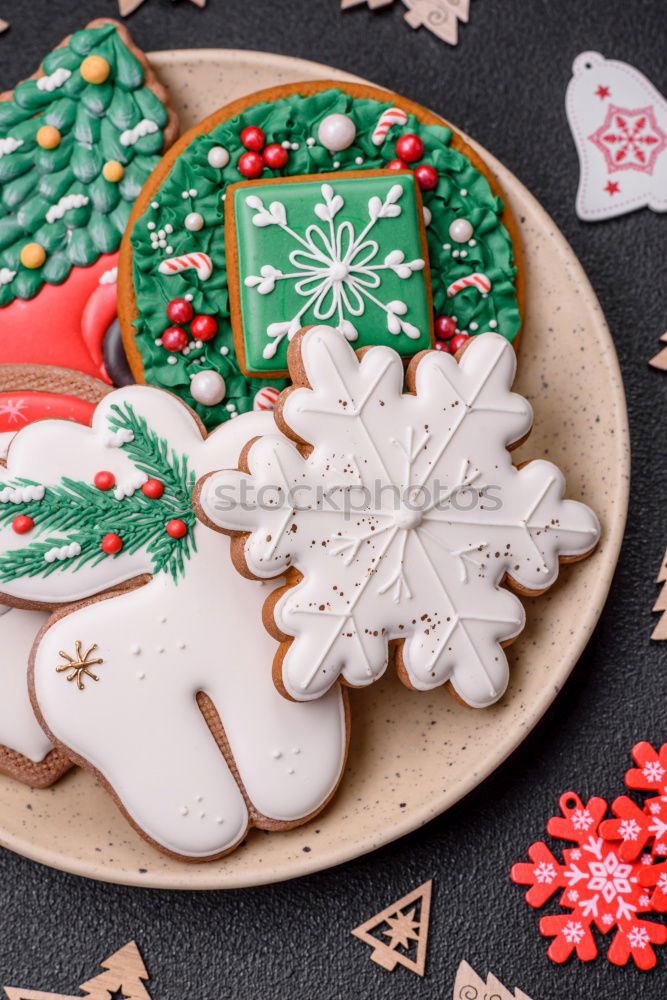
<point>176,528</point>
<point>23,524</point>
<point>153,489</point>
<point>104,480</point>
<point>445,327</point>
<point>275,156</point>
<point>203,327</point>
<point>253,138</point>
<point>409,147</point>
<point>111,544</point>
<point>179,311</point>
<point>250,165</point>
<point>174,339</point>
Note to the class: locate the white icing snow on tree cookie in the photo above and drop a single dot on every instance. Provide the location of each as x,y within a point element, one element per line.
<point>117,678</point>
<point>403,516</point>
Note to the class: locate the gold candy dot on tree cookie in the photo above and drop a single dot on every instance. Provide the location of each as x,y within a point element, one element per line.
<point>95,69</point>
<point>113,171</point>
<point>33,255</point>
<point>48,137</point>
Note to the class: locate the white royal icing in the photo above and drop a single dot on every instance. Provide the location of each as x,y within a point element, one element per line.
<point>6,275</point>
<point>396,566</point>
<point>9,145</point>
<point>20,494</point>
<point>132,135</point>
<point>65,204</point>
<point>19,729</point>
<point>109,277</point>
<point>116,439</point>
<point>163,642</point>
<point>54,80</point>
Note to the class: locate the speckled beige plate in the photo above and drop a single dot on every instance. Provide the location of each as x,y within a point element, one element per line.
<point>412,755</point>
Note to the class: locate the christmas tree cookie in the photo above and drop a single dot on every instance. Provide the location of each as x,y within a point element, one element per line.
<point>154,637</point>
<point>77,142</point>
<point>310,203</point>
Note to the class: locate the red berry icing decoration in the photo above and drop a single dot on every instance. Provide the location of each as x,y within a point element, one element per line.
<point>427,176</point>
<point>445,327</point>
<point>253,138</point>
<point>174,339</point>
<point>275,156</point>
<point>104,480</point>
<point>457,342</point>
<point>600,888</point>
<point>177,528</point>
<point>153,489</point>
<point>111,544</point>
<point>397,165</point>
<point>179,311</point>
<point>409,147</point>
<point>250,165</point>
<point>203,327</point>
<point>23,524</point>
<point>440,345</point>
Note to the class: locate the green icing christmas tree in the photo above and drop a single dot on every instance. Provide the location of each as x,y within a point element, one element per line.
<point>76,146</point>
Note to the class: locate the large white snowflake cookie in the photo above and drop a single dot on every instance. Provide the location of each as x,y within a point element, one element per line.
<point>399,516</point>
<point>155,673</point>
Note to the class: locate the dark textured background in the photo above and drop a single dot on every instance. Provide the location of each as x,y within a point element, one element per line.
<point>505,84</point>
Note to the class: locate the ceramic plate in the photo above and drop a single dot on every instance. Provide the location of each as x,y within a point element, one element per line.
<point>412,755</point>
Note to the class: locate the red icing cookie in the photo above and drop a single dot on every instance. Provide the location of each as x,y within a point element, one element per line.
<point>20,408</point>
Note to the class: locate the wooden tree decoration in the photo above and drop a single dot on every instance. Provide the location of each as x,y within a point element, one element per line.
<point>126,7</point>
<point>405,923</point>
<point>440,16</point>
<point>124,976</point>
<point>3,25</point>
<point>660,606</point>
<point>469,986</point>
<point>660,359</point>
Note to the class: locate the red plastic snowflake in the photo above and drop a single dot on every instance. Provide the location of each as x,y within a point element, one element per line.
<point>637,829</point>
<point>600,887</point>
<point>630,140</point>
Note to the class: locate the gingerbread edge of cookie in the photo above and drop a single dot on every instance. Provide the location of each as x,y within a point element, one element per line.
<point>34,774</point>
<point>127,304</point>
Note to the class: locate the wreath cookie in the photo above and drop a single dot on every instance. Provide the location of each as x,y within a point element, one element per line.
<point>313,202</point>
<point>77,142</point>
<point>29,393</point>
<point>152,636</point>
<point>398,516</point>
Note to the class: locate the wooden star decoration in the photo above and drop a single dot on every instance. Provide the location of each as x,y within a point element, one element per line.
<point>126,7</point>
<point>659,360</point>
<point>441,17</point>
<point>124,977</point>
<point>3,25</point>
<point>405,923</point>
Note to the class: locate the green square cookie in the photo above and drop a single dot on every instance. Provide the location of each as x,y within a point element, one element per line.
<point>346,250</point>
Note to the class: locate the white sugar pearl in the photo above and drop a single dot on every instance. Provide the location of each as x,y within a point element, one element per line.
<point>464,192</point>
<point>224,350</point>
<point>474,326</point>
<point>194,222</point>
<point>208,388</point>
<point>155,204</point>
<point>336,132</point>
<point>460,230</point>
<point>427,215</point>
<point>171,361</point>
<point>151,225</point>
<point>358,160</point>
<point>286,144</point>
<point>193,192</point>
<point>336,164</point>
<point>493,323</point>
<point>294,146</point>
<point>218,157</point>
<point>310,141</point>
<point>188,296</point>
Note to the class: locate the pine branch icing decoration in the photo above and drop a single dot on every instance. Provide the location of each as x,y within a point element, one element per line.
<point>77,523</point>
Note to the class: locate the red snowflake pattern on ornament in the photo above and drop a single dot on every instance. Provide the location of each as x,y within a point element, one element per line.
<point>600,887</point>
<point>630,140</point>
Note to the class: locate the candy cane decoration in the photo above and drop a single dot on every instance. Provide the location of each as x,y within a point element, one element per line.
<point>476,280</point>
<point>266,398</point>
<point>393,116</point>
<point>199,262</point>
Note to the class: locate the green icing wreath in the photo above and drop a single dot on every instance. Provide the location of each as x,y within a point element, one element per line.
<point>193,185</point>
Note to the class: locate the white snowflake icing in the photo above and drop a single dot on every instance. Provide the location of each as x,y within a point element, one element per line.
<point>14,410</point>
<point>337,270</point>
<point>370,517</point>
